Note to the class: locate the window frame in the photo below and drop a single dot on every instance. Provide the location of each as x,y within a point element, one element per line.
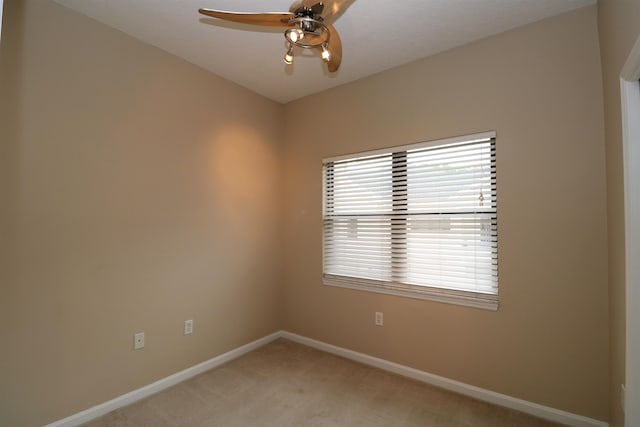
<point>467,298</point>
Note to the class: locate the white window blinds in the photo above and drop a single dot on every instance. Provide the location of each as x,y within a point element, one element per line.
<point>418,220</point>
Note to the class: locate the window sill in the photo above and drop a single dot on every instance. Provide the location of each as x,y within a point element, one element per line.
<point>447,296</point>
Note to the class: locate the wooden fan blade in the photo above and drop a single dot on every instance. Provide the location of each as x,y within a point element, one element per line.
<point>335,48</point>
<point>272,19</point>
<point>332,8</point>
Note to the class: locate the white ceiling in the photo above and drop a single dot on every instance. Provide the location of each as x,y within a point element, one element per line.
<point>376,35</point>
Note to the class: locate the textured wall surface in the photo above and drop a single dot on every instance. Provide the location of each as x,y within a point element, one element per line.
<point>138,191</point>
<point>619,28</point>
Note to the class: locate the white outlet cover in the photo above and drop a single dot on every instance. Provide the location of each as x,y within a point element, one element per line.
<point>138,341</point>
<point>379,318</point>
<point>188,327</point>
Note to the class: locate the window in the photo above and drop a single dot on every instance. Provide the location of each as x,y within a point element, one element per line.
<point>417,221</point>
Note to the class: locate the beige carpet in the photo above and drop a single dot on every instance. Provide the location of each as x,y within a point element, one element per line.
<point>288,384</point>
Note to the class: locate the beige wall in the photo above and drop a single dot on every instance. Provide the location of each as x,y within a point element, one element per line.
<point>137,191</point>
<point>619,28</point>
<point>539,87</point>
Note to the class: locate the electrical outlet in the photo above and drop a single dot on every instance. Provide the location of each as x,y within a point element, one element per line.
<point>379,318</point>
<point>623,391</point>
<point>188,327</point>
<point>138,341</point>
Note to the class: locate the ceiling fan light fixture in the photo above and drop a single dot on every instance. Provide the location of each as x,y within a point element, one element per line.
<point>295,34</point>
<point>326,55</point>
<point>307,32</point>
<point>288,57</point>
<point>305,27</point>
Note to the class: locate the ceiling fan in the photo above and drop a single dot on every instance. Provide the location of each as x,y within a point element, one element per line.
<point>306,27</point>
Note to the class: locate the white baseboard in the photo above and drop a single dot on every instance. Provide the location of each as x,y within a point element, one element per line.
<point>164,383</point>
<point>530,408</point>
